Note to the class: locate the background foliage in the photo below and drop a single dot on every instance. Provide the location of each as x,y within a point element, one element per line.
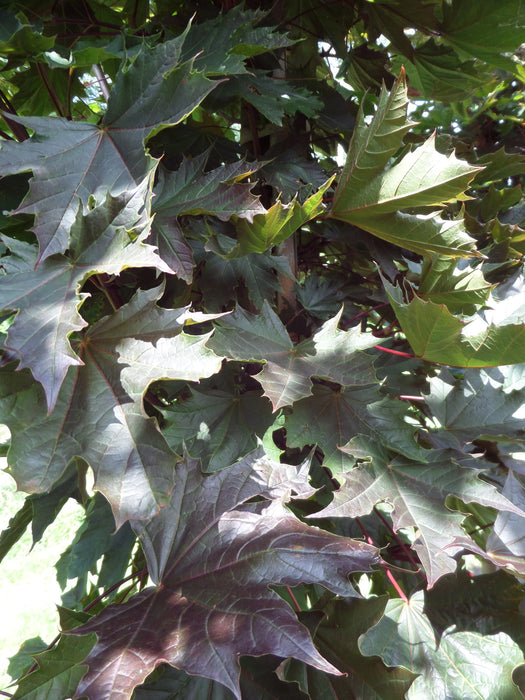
<point>262,277</point>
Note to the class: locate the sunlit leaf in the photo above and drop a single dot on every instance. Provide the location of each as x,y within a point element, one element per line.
<point>458,665</point>
<point>215,602</point>
<point>73,160</point>
<point>417,492</point>
<point>105,240</point>
<point>288,368</point>
<point>436,335</point>
<point>371,195</point>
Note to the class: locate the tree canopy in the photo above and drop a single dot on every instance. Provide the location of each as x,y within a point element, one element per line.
<point>262,314</point>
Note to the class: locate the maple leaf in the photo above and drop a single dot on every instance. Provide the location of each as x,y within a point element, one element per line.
<point>189,190</point>
<point>59,669</point>
<point>269,228</point>
<point>460,665</point>
<point>331,418</point>
<point>438,336</point>
<point>288,368</point>
<point>337,635</point>
<point>220,278</point>
<point>508,534</point>
<point>99,415</point>
<point>461,290</point>
<point>222,44</point>
<point>417,492</point>
<point>372,196</point>
<point>487,33</point>
<point>106,239</point>
<point>258,680</point>
<point>73,160</point>
<point>219,422</point>
<point>213,560</point>
<point>484,404</point>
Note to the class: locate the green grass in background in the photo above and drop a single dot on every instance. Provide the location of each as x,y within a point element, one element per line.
<point>28,587</point>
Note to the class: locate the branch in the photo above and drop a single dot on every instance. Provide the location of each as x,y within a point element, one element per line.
<point>101,79</point>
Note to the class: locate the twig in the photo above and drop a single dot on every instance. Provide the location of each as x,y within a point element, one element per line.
<point>114,588</point>
<point>400,542</point>
<point>364,313</point>
<point>395,352</point>
<point>112,298</point>
<point>50,90</point>
<point>389,574</point>
<point>101,79</point>
<point>18,130</point>
<point>289,590</point>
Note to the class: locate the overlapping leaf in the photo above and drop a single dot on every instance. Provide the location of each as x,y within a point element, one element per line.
<point>258,681</point>
<point>417,492</point>
<point>221,192</point>
<point>331,418</point>
<point>391,18</point>
<point>277,224</point>
<point>216,545</point>
<point>98,413</point>
<point>436,73</point>
<point>460,289</point>
<point>215,563</point>
<point>95,538</point>
<point>73,160</point>
<point>288,368</point>
<point>499,165</point>
<point>458,665</point>
<point>222,279</point>
<point>219,422</point>
<point>222,44</point>
<point>273,100</point>
<point>337,636</point>
<point>508,535</point>
<point>107,239</point>
<point>372,196</point>
<point>486,603</point>
<point>59,670</point>
<point>191,191</point>
<point>480,404</point>
<point>488,32</point>
<point>320,296</point>
<point>438,336</point>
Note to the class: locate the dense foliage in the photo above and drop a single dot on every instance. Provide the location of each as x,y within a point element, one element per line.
<point>263,280</point>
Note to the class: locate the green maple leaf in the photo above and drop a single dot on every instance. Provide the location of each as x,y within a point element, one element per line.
<point>274,226</point>
<point>221,278</point>
<point>331,418</point>
<point>436,73</point>
<point>190,190</point>
<point>59,670</point>
<point>461,290</point>
<point>486,32</point>
<point>271,99</point>
<point>372,195</point>
<point>219,422</point>
<point>258,679</point>
<point>222,44</point>
<point>484,404</point>
<point>458,665</point>
<point>437,336</point>
<point>337,635</point>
